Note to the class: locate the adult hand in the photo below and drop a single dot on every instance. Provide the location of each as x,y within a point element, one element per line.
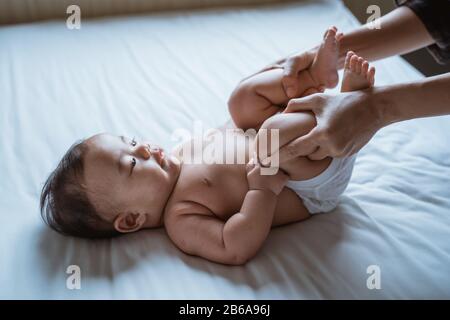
<point>345,123</point>
<point>292,66</point>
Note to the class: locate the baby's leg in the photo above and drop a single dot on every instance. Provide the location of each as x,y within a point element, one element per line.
<point>256,99</point>
<point>291,126</point>
<point>358,75</point>
<point>261,96</point>
<point>324,67</point>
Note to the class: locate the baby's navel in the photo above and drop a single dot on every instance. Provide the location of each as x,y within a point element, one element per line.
<point>206,182</point>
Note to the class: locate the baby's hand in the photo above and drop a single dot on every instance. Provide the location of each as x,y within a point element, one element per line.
<point>257,181</point>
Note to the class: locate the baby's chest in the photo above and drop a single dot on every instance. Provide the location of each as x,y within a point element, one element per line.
<point>221,188</point>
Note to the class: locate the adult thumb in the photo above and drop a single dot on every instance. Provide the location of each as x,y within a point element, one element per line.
<point>295,64</point>
<point>291,69</point>
<point>301,146</point>
<point>300,104</point>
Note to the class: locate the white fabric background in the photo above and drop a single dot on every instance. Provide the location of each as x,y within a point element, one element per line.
<point>146,76</point>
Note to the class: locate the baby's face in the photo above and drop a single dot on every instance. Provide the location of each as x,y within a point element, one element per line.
<point>124,175</point>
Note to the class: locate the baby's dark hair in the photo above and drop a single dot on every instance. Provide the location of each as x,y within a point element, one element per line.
<point>65,206</point>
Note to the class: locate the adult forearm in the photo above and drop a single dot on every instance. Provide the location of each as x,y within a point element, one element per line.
<point>401,32</point>
<point>424,98</point>
<point>245,232</point>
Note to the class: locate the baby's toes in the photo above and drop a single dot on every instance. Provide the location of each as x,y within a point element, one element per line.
<point>347,60</point>
<point>331,33</point>
<point>359,65</point>
<point>353,62</point>
<point>365,68</point>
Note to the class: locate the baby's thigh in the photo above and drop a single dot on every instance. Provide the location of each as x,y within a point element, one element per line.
<point>284,127</point>
<point>289,126</point>
<point>268,84</point>
<point>257,98</point>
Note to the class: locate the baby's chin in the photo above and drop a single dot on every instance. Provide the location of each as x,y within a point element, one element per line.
<point>171,164</point>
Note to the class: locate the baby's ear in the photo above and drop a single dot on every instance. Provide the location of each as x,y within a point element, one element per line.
<point>129,222</point>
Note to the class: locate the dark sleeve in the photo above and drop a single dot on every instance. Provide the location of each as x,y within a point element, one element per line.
<point>435,15</point>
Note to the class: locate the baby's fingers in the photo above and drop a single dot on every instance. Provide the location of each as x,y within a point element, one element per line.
<point>251,165</point>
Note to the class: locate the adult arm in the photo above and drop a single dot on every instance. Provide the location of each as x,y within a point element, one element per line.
<point>347,121</point>
<point>401,32</point>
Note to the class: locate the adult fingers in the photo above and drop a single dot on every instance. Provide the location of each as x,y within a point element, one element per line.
<point>311,91</point>
<point>319,154</point>
<point>301,146</point>
<point>290,85</point>
<point>292,67</point>
<point>301,104</point>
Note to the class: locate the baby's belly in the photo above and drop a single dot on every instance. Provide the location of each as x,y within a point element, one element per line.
<point>236,147</point>
<point>218,165</point>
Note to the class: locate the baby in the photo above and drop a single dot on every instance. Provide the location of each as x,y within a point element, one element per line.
<point>108,185</point>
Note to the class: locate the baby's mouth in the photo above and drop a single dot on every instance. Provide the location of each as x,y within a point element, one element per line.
<point>158,155</point>
<point>162,159</point>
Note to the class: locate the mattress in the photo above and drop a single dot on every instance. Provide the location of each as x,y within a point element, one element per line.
<point>149,75</point>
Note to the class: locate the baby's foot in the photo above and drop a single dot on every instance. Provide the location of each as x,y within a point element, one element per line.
<point>324,66</point>
<point>357,74</point>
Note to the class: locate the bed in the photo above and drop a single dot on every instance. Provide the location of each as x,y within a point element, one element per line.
<point>148,75</point>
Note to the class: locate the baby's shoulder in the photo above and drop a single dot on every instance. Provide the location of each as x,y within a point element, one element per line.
<point>176,211</point>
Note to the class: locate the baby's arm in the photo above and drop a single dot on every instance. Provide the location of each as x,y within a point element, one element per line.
<point>261,96</point>
<point>196,231</point>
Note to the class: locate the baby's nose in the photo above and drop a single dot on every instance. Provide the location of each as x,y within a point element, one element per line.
<point>144,151</point>
<point>154,149</point>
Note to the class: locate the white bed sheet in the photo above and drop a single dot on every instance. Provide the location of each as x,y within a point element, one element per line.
<point>145,76</point>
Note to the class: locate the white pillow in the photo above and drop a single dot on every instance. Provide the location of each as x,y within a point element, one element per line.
<point>31,10</point>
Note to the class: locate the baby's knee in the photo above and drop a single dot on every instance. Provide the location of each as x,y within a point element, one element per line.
<point>242,91</point>
<point>237,103</point>
<point>268,137</point>
<point>275,122</point>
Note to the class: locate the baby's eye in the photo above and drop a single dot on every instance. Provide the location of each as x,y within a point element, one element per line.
<point>133,142</point>
<point>133,164</point>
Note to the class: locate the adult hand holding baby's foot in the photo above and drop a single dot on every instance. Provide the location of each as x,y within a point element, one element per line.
<point>322,60</point>
<point>292,66</point>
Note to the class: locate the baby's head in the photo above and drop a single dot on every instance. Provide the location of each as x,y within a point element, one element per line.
<point>107,185</point>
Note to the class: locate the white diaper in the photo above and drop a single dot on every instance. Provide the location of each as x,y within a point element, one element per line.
<point>321,193</point>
